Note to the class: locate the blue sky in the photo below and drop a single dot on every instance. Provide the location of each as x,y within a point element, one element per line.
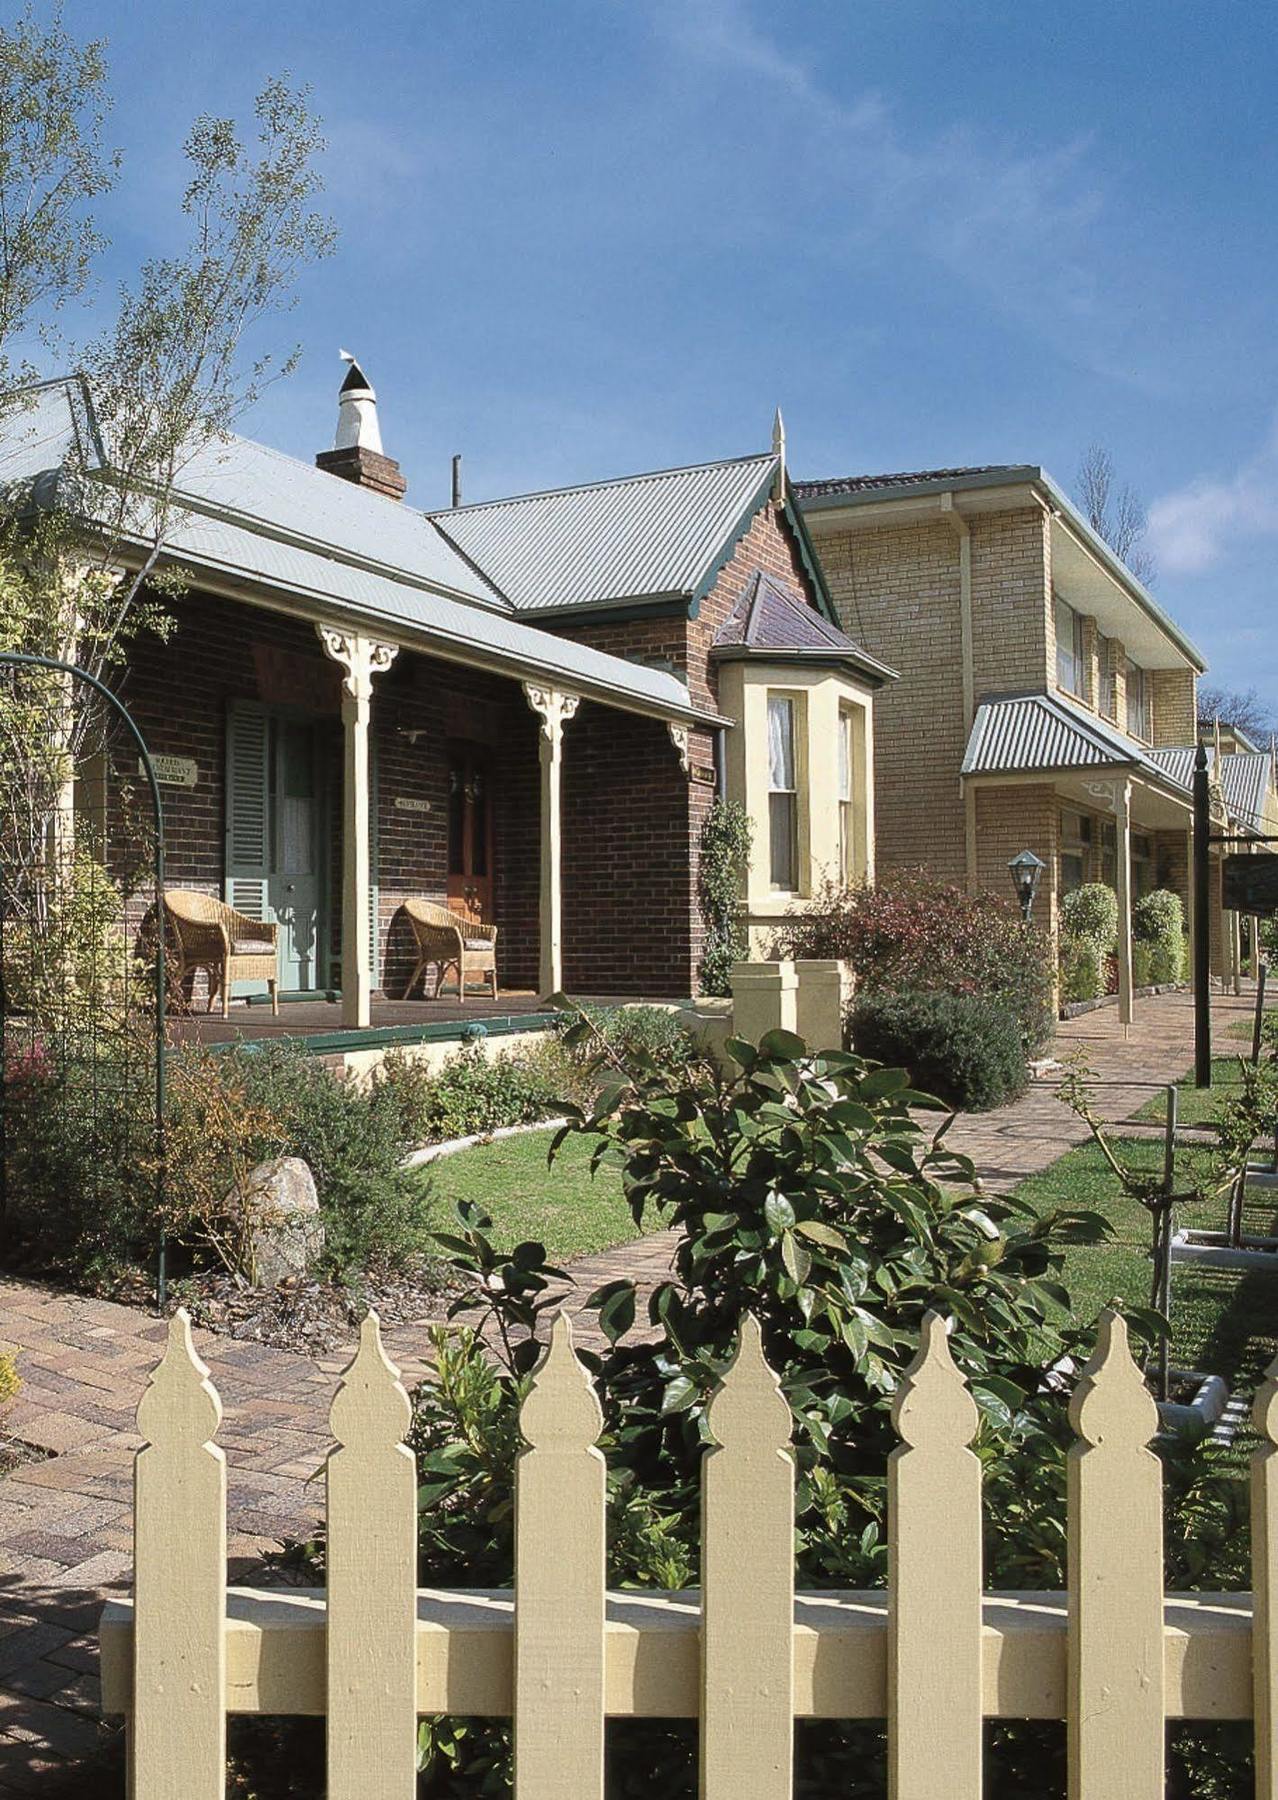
<point>584,237</point>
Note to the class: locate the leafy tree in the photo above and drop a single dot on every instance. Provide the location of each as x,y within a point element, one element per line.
<point>83,565</point>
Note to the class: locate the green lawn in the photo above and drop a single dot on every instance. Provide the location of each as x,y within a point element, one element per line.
<point>1224,1323</point>
<point>1195,1104</point>
<point>560,1206</point>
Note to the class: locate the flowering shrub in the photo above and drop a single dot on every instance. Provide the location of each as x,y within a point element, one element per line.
<point>914,935</point>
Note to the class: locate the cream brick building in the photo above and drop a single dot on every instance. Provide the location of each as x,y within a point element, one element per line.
<point>1046,701</point>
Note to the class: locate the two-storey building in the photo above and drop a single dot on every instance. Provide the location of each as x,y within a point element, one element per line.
<point>1047,702</point>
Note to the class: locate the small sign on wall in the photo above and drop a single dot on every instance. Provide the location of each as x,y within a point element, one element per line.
<point>173,771</point>
<point>407,803</point>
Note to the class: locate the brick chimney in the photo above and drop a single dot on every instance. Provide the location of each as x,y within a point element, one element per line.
<point>357,453</point>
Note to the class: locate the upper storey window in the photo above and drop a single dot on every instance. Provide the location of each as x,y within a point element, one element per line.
<point>1069,649</point>
<point>1137,683</point>
<point>1108,682</point>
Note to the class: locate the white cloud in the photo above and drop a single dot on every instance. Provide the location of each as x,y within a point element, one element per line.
<point>1194,526</point>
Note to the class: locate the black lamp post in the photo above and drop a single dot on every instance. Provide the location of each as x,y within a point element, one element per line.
<point>1027,871</point>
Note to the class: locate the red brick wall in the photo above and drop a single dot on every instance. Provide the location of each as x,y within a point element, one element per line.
<point>632,819</point>
<point>684,643</point>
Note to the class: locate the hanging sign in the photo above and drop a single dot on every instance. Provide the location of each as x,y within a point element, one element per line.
<point>173,771</point>
<point>1251,885</point>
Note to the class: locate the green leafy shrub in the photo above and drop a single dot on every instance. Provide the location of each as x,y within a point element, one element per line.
<point>808,1196</point>
<point>1158,924</point>
<point>353,1139</point>
<point>620,1035</point>
<point>1091,912</point>
<point>1142,964</point>
<point>79,1118</point>
<point>915,935</point>
<point>965,1051</point>
<point>471,1092</point>
<point>1082,969</point>
<point>1269,938</point>
<point>722,867</point>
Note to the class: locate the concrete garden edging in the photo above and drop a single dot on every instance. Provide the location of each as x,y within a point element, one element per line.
<point>1074,1009</point>
<point>429,1153</point>
<point>1195,1418</point>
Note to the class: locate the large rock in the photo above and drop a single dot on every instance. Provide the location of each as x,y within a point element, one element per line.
<point>284,1237</point>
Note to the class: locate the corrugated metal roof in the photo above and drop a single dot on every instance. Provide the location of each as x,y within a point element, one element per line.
<point>1030,732</point>
<point>1245,777</point>
<point>641,537</point>
<point>294,502</point>
<point>234,552</point>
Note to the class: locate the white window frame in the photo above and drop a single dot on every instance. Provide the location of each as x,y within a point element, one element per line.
<point>783,793</point>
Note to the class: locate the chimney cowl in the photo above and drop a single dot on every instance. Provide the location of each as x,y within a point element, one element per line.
<point>357,453</point>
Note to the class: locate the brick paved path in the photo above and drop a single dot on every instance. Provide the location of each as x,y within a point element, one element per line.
<point>64,1521</point>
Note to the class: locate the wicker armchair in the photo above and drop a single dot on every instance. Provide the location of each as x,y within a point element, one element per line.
<point>227,945</point>
<point>450,942</point>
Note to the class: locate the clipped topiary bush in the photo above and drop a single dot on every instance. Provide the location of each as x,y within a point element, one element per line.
<point>1091,912</point>
<point>1158,926</point>
<point>965,1050</point>
<point>915,935</point>
<point>1082,969</point>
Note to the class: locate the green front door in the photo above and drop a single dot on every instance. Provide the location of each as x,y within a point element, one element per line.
<point>275,838</point>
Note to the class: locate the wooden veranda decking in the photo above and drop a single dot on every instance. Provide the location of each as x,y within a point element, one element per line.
<point>323,1018</point>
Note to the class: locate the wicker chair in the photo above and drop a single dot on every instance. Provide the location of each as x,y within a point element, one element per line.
<point>450,943</point>
<point>227,945</point>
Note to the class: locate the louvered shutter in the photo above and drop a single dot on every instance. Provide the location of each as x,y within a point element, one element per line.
<point>374,889</point>
<point>247,809</point>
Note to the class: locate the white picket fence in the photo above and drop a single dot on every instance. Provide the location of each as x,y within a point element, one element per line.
<point>933,1655</point>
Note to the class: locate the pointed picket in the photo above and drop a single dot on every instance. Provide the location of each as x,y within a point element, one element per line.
<point>1264,1584</point>
<point>372,1582</point>
<point>935,1698</point>
<point>1116,1701</point>
<point>177,1740</point>
<point>747,1584</point>
<point>560,1578</point>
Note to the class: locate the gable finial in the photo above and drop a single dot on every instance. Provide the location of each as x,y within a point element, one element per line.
<point>778,450</point>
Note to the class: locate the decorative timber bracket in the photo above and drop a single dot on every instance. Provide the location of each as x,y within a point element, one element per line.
<point>361,657</point>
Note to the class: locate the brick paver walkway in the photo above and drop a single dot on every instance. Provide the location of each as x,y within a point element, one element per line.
<point>64,1521</point>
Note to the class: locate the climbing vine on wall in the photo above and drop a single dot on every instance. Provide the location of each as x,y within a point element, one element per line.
<point>721,872</point>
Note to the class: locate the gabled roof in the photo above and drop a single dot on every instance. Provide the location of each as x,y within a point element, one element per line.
<point>1029,733</point>
<point>1246,777</point>
<point>648,537</point>
<point>774,622</point>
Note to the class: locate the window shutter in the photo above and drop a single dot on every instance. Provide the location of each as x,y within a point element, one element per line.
<point>374,890</point>
<point>247,809</point>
